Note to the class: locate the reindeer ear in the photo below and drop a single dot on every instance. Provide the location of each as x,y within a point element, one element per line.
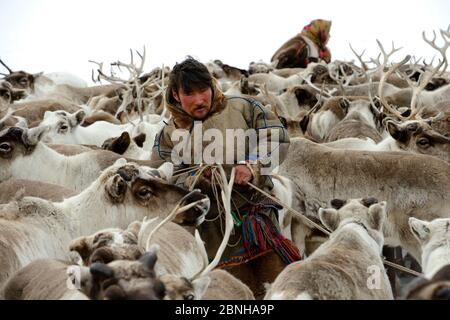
<point>166,170</point>
<point>18,94</point>
<point>120,162</point>
<point>77,118</point>
<point>120,145</point>
<point>397,132</point>
<point>200,286</point>
<point>140,139</point>
<point>134,228</point>
<point>37,75</point>
<point>32,136</point>
<point>304,121</point>
<point>116,187</point>
<point>47,114</point>
<point>367,202</point>
<point>101,271</point>
<point>377,213</point>
<point>149,260</point>
<point>329,218</point>
<point>103,255</point>
<point>81,246</point>
<point>337,203</point>
<point>303,95</point>
<point>420,229</point>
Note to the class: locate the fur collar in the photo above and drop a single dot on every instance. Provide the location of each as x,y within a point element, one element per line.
<point>182,119</point>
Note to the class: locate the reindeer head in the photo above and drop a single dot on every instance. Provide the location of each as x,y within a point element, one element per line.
<point>419,137</point>
<point>431,236</point>
<point>180,288</point>
<point>260,67</point>
<point>108,245</point>
<point>124,280</point>
<point>60,126</point>
<point>147,187</point>
<point>436,288</point>
<point>16,141</point>
<point>9,94</point>
<point>321,75</point>
<point>367,212</point>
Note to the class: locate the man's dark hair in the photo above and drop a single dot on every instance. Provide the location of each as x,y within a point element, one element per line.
<point>189,75</point>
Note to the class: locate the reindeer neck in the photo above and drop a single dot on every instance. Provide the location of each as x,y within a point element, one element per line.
<point>87,211</point>
<point>436,258</point>
<point>43,164</point>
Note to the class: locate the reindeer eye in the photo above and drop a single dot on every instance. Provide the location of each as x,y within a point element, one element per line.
<point>423,142</point>
<point>411,127</point>
<point>6,95</point>
<point>5,147</point>
<point>63,128</point>
<point>189,297</point>
<point>23,81</point>
<point>144,193</point>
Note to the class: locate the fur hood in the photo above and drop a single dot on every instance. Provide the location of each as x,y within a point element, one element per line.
<point>182,119</point>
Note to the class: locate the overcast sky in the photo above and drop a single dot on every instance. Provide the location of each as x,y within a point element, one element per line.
<point>62,35</point>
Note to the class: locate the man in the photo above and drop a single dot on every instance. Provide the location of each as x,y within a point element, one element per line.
<point>310,45</point>
<point>198,109</point>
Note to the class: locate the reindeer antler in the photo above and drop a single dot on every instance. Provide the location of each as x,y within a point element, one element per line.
<point>386,55</point>
<point>134,88</point>
<point>386,75</point>
<point>428,75</point>
<point>442,50</point>
<point>359,56</point>
<point>7,68</point>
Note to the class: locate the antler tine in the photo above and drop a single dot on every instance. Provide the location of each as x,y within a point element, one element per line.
<point>347,78</point>
<point>376,61</point>
<point>102,75</point>
<point>336,78</point>
<point>428,64</point>
<point>442,50</point>
<point>386,55</point>
<point>131,55</point>
<point>415,61</point>
<point>359,56</point>
<point>92,76</point>
<point>370,95</point>
<point>307,80</point>
<point>142,59</point>
<point>437,117</point>
<point>426,76</point>
<point>9,70</point>
<point>385,76</point>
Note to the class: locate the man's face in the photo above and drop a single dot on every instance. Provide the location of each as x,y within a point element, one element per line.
<point>196,103</point>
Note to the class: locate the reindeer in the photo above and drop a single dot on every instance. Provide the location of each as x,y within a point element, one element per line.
<point>35,228</point>
<point>338,268</point>
<point>413,186</point>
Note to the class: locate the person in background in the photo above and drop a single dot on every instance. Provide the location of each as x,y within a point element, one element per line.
<point>310,45</point>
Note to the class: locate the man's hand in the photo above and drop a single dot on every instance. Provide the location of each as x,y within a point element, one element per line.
<point>243,175</point>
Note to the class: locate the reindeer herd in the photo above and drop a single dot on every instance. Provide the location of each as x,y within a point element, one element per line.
<point>84,213</point>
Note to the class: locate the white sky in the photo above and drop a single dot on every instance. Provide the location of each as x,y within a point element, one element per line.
<point>62,35</point>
